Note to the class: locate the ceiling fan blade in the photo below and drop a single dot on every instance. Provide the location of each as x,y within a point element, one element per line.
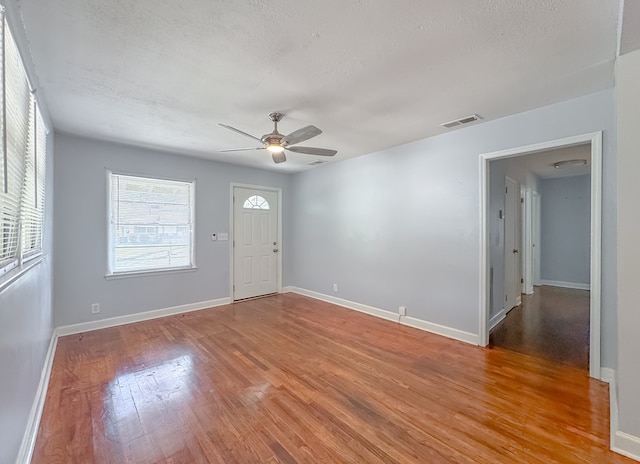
<point>241,149</point>
<point>301,135</point>
<point>279,157</point>
<point>313,151</point>
<point>240,132</point>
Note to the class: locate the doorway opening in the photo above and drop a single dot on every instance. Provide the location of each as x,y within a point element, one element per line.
<point>532,268</point>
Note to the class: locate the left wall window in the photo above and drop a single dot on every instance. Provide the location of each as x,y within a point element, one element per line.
<point>23,147</point>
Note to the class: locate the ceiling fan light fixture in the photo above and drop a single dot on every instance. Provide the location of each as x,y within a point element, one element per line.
<point>275,148</point>
<point>567,163</point>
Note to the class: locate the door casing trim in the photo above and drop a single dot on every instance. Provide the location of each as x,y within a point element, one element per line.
<point>595,141</point>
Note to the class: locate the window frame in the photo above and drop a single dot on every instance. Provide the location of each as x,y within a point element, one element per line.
<point>113,274</point>
<point>256,206</point>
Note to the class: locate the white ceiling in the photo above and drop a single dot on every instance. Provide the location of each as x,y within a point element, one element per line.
<point>371,74</point>
<point>541,163</point>
<point>630,33</point>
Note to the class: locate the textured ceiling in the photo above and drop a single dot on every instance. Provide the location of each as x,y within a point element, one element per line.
<point>371,74</point>
<point>630,36</point>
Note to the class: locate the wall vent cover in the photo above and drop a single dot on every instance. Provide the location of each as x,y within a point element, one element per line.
<point>461,121</point>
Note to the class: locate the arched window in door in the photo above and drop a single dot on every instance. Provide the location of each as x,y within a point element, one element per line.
<point>256,202</point>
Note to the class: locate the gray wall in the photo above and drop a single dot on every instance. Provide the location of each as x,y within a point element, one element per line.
<point>81,229</point>
<point>26,328</point>
<point>565,229</point>
<point>628,99</point>
<point>26,324</point>
<point>401,226</point>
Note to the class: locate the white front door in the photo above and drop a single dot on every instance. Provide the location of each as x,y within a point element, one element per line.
<point>255,242</point>
<point>512,284</point>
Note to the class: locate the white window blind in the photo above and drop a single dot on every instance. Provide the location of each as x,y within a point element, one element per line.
<point>23,144</point>
<point>32,209</point>
<point>22,163</point>
<point>151,224</point>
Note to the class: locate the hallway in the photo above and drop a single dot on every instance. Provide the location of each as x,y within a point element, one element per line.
<point>552,323</point>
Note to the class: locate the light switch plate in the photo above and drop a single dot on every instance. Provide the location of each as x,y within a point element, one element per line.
<point>223,236</point>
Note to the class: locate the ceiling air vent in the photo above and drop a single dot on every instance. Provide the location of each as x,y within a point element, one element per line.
<point>461,121</point>
<point>317,163</point>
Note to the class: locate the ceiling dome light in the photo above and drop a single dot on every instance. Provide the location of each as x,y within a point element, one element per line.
<point>275,148</point>
<point>567,163</point>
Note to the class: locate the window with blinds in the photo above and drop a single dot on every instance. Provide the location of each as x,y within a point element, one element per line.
<point>22,159</point>
<point>150,224</point>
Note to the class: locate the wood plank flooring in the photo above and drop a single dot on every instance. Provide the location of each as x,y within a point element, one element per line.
<point>288,379</point>
<point>552,323</point>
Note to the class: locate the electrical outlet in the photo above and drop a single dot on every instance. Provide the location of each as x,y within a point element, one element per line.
<point>95,308</point>
<point>335,287</point>
<point>402,310</point>
<point>214,237</point>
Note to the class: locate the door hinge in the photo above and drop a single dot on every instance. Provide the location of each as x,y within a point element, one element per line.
<point>506,190</point>
<point>521,200</point>
<point>506,298</point>
<point>521,280</point>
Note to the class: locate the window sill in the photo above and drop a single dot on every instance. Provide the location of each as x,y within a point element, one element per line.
<point>14,274</point>
<point>128,275</point>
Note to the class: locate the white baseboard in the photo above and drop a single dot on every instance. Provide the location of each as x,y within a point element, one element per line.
<point>438,329</point>
<point>138,317</point>
<point>609,375</point>
<point>33,422</point>
<point>497,318</point>
<point>559,283</point>
<point>627,445</point>
<point>620,442</point>
<point>388,315</point>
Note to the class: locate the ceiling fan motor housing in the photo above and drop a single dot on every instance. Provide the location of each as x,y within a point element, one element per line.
<point>273,138</point>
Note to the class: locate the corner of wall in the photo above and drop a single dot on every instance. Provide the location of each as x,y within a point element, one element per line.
<point>619,441</point>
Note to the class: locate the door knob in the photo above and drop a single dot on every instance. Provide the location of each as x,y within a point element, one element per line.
<point>515,251</point>
<point>275,250</point>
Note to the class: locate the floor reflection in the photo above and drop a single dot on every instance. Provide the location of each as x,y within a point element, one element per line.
<point>139,402</point>
<point>552,323</point>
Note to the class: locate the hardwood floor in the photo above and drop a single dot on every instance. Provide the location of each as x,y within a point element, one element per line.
<point>288,379</point>
<point>552,323</point>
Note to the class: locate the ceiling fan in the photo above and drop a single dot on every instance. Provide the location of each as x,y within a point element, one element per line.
<point>276,143</point>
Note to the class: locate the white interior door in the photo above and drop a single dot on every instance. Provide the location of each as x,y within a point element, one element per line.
<point>512,284</point>
<point>255,242</point>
